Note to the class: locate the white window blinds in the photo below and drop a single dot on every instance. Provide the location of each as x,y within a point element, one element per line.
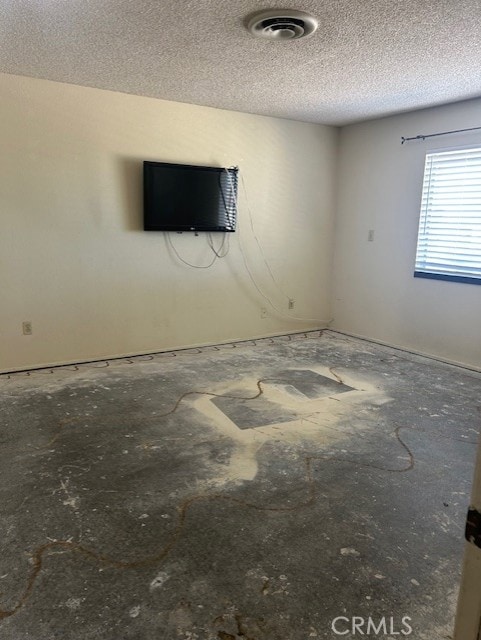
<point>449,238</point>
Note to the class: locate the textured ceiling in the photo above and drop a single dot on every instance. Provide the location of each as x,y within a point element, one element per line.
<point>368,58</point>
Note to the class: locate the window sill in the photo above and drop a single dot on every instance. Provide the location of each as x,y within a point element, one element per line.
<point>445,276</point>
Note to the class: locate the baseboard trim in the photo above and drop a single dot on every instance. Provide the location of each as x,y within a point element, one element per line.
<point>414,352</point>
<point>178,349</point>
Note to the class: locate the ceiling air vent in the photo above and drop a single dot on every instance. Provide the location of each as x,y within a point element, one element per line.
<point>281,24</point>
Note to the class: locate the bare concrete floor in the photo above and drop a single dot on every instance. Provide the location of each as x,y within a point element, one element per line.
<point>254,492</point>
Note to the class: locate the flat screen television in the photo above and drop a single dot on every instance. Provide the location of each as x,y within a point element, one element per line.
<point>183,197</point>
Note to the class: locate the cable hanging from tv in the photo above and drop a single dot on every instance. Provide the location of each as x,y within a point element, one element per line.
<point>423,136</point>
<point>219,253</point>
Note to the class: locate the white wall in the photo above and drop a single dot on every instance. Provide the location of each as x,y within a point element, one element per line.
<point>75,261</point>
<point>379,187</point>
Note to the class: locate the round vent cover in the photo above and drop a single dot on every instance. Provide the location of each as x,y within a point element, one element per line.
<point>281,24</point>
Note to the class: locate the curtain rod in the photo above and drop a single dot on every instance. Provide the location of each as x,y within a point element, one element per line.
<point>433,135</point>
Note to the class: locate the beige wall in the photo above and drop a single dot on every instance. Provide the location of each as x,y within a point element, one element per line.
<point>379,187</point>
<point>75,261</point>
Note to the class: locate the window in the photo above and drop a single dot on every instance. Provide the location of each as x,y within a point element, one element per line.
<point>449,238</point>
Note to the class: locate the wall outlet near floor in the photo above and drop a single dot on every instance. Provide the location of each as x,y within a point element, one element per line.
<point>27,328</point>
<point>370,235</point>
<point>263,312</point>
<point>291,303</point>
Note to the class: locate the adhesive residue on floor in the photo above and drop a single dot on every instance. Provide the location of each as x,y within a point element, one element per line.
<point>299,417</point>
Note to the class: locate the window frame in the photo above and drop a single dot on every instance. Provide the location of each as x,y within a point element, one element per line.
<point>432,275</point>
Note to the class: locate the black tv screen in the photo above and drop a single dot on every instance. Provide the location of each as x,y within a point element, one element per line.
<point>181,197</point>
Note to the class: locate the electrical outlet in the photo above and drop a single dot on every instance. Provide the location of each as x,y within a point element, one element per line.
<point>27,328</point>
<point>370,235</point>
<point>291,303</point>
<point>263,312</point>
